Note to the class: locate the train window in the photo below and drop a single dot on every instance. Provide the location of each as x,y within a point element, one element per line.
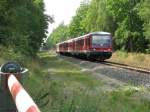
<point>101,40</point>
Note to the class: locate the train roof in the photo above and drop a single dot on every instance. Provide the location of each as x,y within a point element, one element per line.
<point>93,33</point>
<point>102,33</point>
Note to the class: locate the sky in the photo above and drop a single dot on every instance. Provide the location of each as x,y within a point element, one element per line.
<point>62,10</point>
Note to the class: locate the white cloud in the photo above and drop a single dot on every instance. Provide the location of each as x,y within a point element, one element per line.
<point>63,10</point>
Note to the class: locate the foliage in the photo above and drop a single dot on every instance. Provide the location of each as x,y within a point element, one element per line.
<point>98,17</point>
<point>75,28</point>
<point>77,25</point>
<point>59,34</point>
<point>23,25</point>
<point>144,9</point>
<point>129,33</point>
<point>128,21</point>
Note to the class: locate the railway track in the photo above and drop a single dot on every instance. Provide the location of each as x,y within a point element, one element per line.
<point>128,67</point>
<point>122,72</point>
<point>124,66</point>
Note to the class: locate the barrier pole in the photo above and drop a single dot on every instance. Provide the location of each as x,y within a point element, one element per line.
<point>23,101</point>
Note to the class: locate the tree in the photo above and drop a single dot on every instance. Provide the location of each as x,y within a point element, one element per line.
<point>144,9</point>
<point>127,20</point>
<point>58,35</point>
<point>77,27</point>
<point>23,25</point>
<point>128,35</point>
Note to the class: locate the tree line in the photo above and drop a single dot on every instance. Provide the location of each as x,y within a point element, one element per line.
<point>127,20</point>
<point>23,25</point>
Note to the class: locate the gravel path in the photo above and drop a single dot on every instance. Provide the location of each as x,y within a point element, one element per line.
<point>119,74</point>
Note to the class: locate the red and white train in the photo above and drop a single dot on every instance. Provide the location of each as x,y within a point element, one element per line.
<point>96,45</point>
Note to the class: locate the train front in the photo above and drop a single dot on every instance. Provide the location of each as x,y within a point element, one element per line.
<point>101,44</point>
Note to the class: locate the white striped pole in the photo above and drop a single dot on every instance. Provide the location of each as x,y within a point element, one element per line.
<point>23,101</point>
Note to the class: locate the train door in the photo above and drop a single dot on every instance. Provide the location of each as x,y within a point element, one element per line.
<point>85,46</point>
<point>73,45</point>
<point>88,42</point>
<point>82,44</point>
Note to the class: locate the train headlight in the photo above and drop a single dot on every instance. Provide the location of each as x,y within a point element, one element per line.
<point>94,49</point>
<point>109,49</point>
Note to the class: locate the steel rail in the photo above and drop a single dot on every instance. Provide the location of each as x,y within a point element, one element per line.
<point>125,66</point>
<point>120,65</point>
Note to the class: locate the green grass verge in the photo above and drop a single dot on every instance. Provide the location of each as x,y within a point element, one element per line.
<point>57,85</point>
<point>60,86</point>
<point>133,59</point>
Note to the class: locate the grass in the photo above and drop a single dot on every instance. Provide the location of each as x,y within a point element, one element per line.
<point>66,89</point>
<point>57,85</point>
<point>134,59</point>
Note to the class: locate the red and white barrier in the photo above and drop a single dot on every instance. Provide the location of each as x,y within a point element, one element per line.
<point>24,102</point>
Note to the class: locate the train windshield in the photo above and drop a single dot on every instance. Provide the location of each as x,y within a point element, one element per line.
<point>101,41</point>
